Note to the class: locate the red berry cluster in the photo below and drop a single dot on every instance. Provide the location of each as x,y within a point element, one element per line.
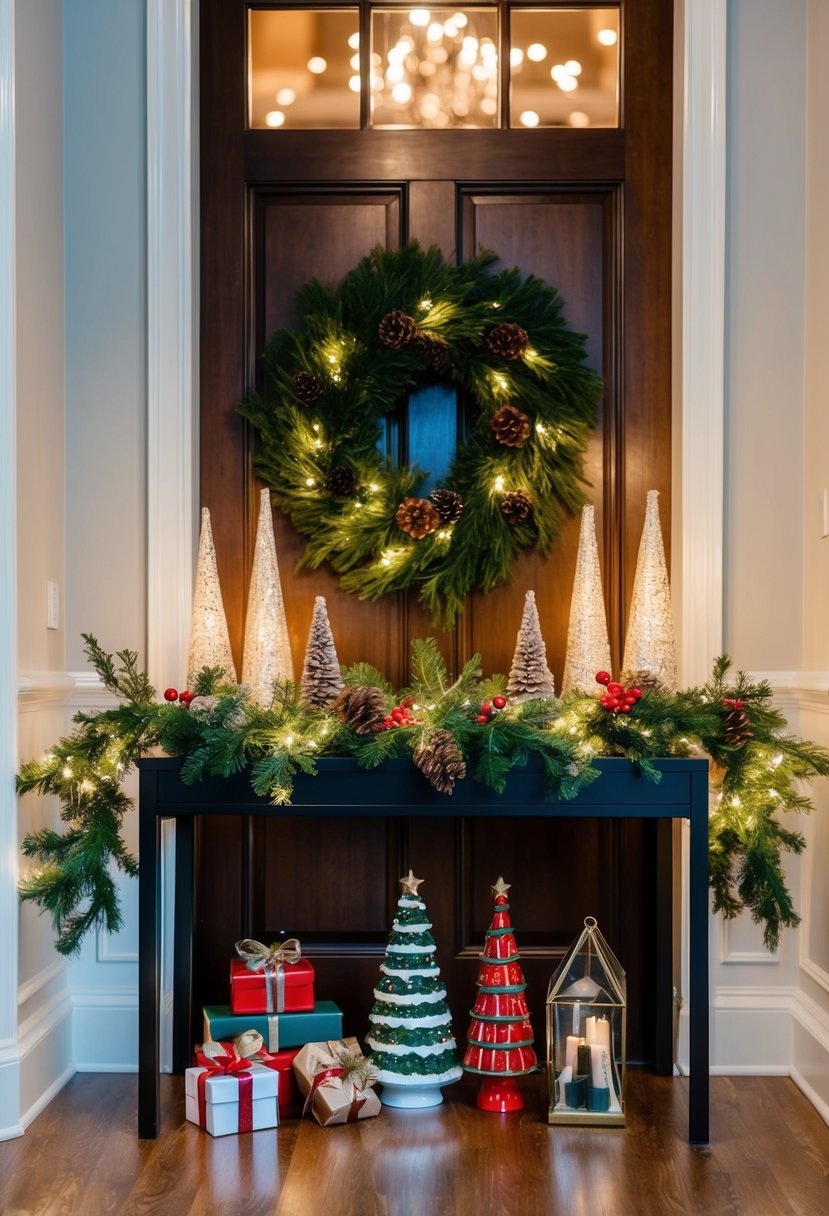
<point>172,694</point>
<point>401,715</point>
<point>617,699</point>
<point>488,708</point>
<point>732,704</point>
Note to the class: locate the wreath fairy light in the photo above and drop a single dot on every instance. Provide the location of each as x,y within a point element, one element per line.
<point>401,319</point>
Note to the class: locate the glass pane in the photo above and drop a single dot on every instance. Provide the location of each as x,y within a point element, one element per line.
<point>434,67</point>
<point>564,67</point>
<point>304,68</point>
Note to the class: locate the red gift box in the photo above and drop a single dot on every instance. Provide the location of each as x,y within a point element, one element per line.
<point>290,1099</point>
<point>269,982</point>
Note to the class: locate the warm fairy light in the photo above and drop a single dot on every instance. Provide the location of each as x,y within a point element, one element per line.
<point>354,41</point>
<point>315,426</point>
<point>460,20</point>
<point>499,482</point>
<point>607,37</point>
<point>386,561</point>
<point>573,67</point>
<point>528,118</point>
<point>426,304</point>
<point>274,118</point>
<point>578,118</point>
<point>567,83</point>
<point>395,73</point>
<point>312,743</point>
<point>444,534</point>
<point>67,772</point>
<point>402,93</point>
<point>435,32</point>
<point>541,428</point>
<point>354,84</point>
<point>373,487</point>
<point>557,71</point>
<point>354,63</point>
<point>420,16</point>
<point>735,801</point>
<point>289,740</point>
<point>317,65</point>
<point>776,760</point>
<point>309,481</point>
<point>86,786</point>
<point>774,794</point>
<point>317,444</point>
<point>536,51</point>
<point>286,97</point>
<point>516,57</point>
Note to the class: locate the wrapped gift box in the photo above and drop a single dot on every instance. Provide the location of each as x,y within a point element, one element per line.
<point>278,1030</point>
<point>242,1101</point>
<point>290,1099</point>
<point>288,989</point>
<point>336,1090</point>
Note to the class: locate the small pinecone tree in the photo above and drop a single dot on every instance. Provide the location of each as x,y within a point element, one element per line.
<point>736,723</point>
<point>361,709</point>
<point>308,387</point>
<point>441,761</point>
<point>510,426</point>
<point>417,517</point>
<point>516,507</point>
<point>529,676</point>
<point>508,341</point>
<point>397,329</point>
<point>321,680</point>
<point>411,1026</point>
<point>448,505</point>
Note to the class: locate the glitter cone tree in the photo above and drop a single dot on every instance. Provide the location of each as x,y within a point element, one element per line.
<point>588,646</point>
<point>500,1037</point>
<point>529,676</point>
<point>649,644</point>
<point>410,1036</point>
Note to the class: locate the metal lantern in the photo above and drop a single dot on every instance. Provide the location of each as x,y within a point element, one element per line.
<point>586,1034</point>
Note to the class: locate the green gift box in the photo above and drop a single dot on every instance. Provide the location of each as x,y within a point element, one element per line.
<point>279,1030</point>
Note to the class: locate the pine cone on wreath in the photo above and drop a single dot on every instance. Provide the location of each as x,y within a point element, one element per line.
<point>736,723</point>
<point>433,351</point>
<point>341,481</point>
<point>517,507</point>
<point>397,329</point>
<point>643,679</point>
<point>361,709</point>
<point>417,517</point>
<point>448,505</point>
<point>308,387</point>
<point>441,761</point>
<point>508,340</point>
<point>510,426</point>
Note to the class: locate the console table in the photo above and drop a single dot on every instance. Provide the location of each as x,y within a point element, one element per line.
<point>340,788</point>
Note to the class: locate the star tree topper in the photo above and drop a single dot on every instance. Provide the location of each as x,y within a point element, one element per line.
<point>500,887</point>
<point>410,884</point>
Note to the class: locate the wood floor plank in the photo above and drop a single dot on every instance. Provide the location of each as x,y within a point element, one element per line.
<point>769,1156</point>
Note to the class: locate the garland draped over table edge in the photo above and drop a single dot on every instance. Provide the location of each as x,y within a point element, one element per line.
<point>224,731</point>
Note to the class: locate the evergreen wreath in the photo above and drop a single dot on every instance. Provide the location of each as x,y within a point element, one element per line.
<point>398,320</point>
<point>756,766</point>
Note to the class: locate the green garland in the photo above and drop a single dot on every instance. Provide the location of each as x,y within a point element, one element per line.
<point>398,320</point>
<point>755,778</point>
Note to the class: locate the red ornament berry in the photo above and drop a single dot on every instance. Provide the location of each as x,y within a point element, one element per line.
<point>486,707</point>
<point>623,709</point>
<point>388,720</point>
<point>483,720</point>
<point>397,713</point>
<point>636,693</point>
<point>186,697</point>
<point>499,702</point>
<point>614,688</point>
<point>606,702</point>
<point>171,694</point>
<point>407,720</point>
<point>407,703</point>
<point>602,677</point>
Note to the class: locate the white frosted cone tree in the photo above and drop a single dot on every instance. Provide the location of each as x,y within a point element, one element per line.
<point>267,655</point>
<point>588,645</point>
<point>321,682</point>
<point>209,637</point>
<point>650,645</point>
<point>529,676</point>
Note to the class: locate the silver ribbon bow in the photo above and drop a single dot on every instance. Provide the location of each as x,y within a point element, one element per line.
<point>271,960</point>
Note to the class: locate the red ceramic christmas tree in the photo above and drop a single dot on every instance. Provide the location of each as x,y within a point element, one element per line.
<point>500,1037</point>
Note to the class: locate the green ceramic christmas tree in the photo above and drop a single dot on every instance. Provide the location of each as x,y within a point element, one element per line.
<point>411,1038</point>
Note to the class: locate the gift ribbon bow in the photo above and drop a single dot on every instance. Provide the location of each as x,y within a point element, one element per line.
<point>270,959</point>
<point>219,1060</point>
<point>345,1070</point>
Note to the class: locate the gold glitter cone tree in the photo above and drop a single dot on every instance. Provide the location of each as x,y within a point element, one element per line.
<point>209,638</point>
<point>650,645</point>
<point>588,645</point>
<point>529,676</point>
<point>321,680</point>
<point>267,645</point>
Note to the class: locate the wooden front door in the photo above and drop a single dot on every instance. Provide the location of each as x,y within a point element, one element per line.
<point>588,210</point>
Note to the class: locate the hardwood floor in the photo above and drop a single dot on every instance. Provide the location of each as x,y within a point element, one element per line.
<point>769,1156</point>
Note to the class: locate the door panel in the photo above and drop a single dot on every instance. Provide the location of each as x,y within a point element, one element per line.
<point>589,212</point>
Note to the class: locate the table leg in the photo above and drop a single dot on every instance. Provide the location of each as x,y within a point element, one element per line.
<point>698,1131</point>
<point>149,924</point>
<point>663,1064</point>
<point>183,947</point>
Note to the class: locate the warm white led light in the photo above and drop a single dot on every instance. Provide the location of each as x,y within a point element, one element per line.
<point>286,97</point>
<point>354,41</point>
<point>529,118</point>
<point>354,84</point>
<point>607,37</point>
<point>317,65</point>
<point>402,93</point>
<point>419,16</point>
<point>573,67</point>
<point>537,51</point>
<point>354,63</point>
<point>516,57</point>
<point>567,83</point>
<point>274,118</point>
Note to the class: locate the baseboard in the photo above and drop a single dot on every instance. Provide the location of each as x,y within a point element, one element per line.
<point>45,1098</point>
<point>105,1030</point>
<point>45,1045</point>
<point>811,1093</point>
<point>10,1097</point>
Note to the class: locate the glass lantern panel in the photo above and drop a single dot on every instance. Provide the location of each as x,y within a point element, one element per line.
<point>564,67</point>
<point>435,67</point>
<point>304,68</point>
<point>586,1062</point>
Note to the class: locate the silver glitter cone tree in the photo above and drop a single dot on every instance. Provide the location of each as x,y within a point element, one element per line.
<point>321,682</point>
<point>650,644</point>
<point>529,676</point>
<point>267,655</point>
<point>209,637</point>
<point>588,645</point>
<point>410,1035</point>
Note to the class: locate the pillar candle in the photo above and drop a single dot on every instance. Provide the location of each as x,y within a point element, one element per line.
<point>583,1063</point>
<point>603,1033</point>
<point>571,1051</point>
<point>577,1018</point>
<point>599,1066</point>
<point>590,1029</point>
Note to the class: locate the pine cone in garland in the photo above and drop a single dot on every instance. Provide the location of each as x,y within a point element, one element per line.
<point>510,426</point>
<point>736,723</point>
<point>417,517</point>
<point>341,481</point>
<point>517,507</point>
<point>642,678</point>
<point>448,505</point>
<point>397,329</point>
<point>361,709</point>
<point>441,761</point>
<point>308,387</point>
<point>433,351</point>
<point>508,341</point>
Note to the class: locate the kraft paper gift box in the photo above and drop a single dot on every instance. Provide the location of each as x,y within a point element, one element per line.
<point>270,979</point>
<point>226,1094</point>
<point>278,1030</point>
<point>337,1080</point>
